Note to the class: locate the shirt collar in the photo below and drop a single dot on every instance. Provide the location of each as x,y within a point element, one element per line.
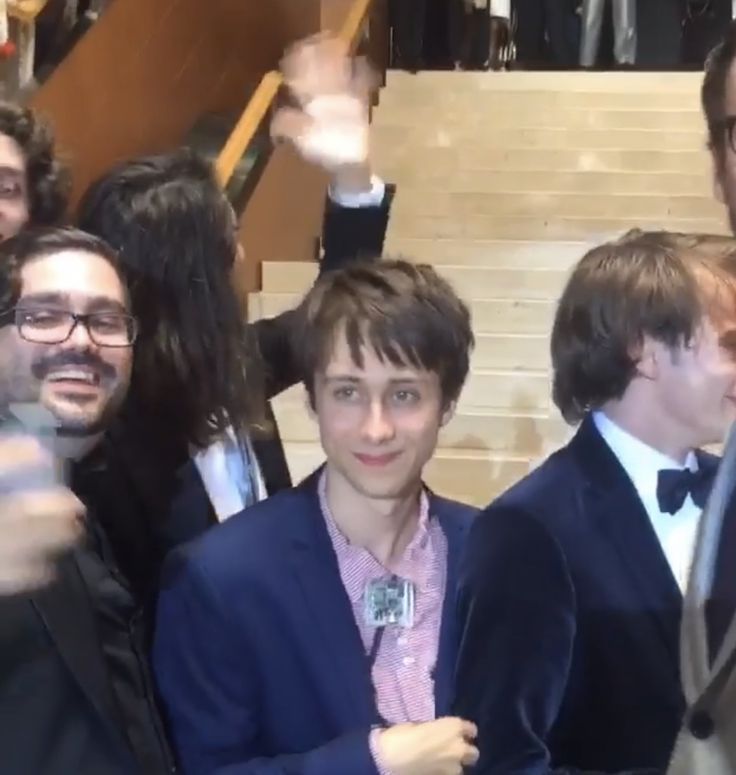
<point>416,546</point>
<point>641,462</point>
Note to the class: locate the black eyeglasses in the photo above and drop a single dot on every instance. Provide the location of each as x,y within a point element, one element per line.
<point>46,325</point>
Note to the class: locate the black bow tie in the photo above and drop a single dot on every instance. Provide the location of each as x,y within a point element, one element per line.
<point>675,484</point>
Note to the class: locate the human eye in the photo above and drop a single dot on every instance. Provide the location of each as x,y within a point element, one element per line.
<point>10,189</point>
<point>346,393</point>
<point>109,322</point>
<point>42,318</point>
<point>406,396</point>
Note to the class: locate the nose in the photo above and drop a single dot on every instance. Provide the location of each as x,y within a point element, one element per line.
<point>79,337</point>
<point>378,426</point>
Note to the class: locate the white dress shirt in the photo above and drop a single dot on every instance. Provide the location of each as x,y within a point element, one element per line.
<point>676,532</point>
<point>369,198</point>
<point>229,477</point>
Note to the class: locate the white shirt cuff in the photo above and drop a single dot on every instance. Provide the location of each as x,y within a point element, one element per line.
<point>372,198</point>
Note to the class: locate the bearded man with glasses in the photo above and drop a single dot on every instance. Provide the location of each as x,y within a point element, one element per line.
<point>75,690</point>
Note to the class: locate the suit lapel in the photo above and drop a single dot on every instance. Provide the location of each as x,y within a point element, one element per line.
<point>66,611</point>
<point>269,451</point>
<point>455,530</point>
<point>716,577</point>
<point>191,511</point>
<point>327,607</point>
<point>614,505</point>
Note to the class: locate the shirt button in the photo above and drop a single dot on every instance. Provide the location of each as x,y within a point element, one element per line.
<point>408,661</point>
<point>402,641</point>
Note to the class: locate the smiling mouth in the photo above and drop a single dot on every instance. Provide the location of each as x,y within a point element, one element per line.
<point>74,376</point>
<point>377,461</point>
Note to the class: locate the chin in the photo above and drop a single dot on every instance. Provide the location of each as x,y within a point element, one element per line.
<point>76,422</point>
<point>383,488</point>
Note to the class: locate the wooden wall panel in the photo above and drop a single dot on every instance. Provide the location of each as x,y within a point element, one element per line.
<point>283,218</point>
<point>142,75</point>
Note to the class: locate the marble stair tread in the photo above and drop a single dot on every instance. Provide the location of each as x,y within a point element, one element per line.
<point>469,281</point>
<point>559,182</point>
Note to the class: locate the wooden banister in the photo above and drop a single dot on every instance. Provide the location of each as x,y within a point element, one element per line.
<point>264,96</point>
<point>247,126</point>
<point>353,26</point>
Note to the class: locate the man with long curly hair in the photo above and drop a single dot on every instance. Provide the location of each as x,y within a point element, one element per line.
<point>34,185</point>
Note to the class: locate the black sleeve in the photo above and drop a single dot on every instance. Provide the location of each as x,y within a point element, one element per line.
<point>354,233</point>
<point>348,234</point>
<point>517,611</point>
<point>270,339</point>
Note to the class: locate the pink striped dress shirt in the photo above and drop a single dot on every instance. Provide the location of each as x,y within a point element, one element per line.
<point>405,662</point>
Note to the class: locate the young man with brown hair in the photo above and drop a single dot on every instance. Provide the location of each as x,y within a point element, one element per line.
<point>571,592</point>
<point>304,634</point>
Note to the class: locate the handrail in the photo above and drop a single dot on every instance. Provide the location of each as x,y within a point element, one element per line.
<point>352,26</point>
<point>263,97</point>
<point>248,123</point>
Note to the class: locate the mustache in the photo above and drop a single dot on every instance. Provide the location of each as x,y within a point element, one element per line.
<point>42,366</point>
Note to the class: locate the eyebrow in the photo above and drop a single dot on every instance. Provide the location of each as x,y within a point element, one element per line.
<point>355,380</point>
<point>92,303</point>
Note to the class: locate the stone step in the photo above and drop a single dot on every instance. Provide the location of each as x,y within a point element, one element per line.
<point>515,352</point>
<point>514,434</point>
<point>485,181</point>
<point>469,281</point>
<point>426,134</point>
<point>485,105</point>
<point>471,476</point>
<point>527,115</point>
<point>490,316</point>
<point>532,227</point>
<point>487,390</point>
<point>400,167</point>
<point>498,254</point>
<point>607,83</point>
<point>460,206</point>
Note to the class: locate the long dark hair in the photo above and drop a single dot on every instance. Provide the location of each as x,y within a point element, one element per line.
<point>175,234</point>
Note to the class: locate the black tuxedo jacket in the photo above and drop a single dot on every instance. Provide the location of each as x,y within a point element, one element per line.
<point>570,654</point>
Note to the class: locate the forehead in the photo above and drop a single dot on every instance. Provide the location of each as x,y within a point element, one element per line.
<point>341,364</point>
<point>11,155</point>
<point>72,273</point>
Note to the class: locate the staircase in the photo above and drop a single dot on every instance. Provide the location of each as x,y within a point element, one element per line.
<point>504,180</point>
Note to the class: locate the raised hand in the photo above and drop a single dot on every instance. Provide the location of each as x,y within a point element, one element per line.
<point>38,518</point>
<point>329,126</point>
